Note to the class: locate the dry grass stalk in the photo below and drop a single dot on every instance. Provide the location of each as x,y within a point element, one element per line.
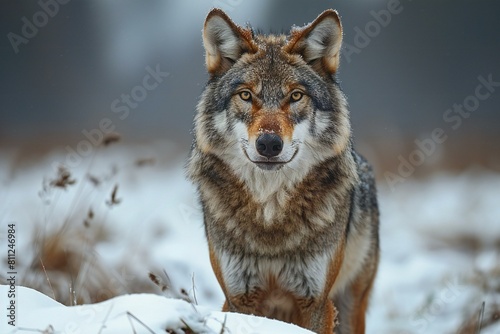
<point>63,178</point>
<point>114,200</point>
<point>111,138</point>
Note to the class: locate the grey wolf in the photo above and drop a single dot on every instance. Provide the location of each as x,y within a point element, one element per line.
<point>290,209</point>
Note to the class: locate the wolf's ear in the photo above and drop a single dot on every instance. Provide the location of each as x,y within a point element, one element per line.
<point>319,42</point>
<point>224,41</point>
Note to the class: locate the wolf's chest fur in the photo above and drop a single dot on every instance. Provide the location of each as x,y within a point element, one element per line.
<point>264,238</point>
<point>294,218</point>
<point>304,275</point>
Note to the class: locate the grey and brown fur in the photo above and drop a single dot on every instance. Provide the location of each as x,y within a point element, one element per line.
<point>290,209</point>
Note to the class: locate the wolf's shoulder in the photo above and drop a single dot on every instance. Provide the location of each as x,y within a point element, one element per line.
<point>364,168</point>
<point>366,189</point>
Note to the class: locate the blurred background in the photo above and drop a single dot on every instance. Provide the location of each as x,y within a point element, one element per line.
<point>423,82</point>
<point>400,77</point>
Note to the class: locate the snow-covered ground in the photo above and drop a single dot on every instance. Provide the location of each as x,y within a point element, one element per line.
<point>440,241</point>
<point>137,313</point>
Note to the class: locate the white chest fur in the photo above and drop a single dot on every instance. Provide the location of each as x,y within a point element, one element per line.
<point>304,276</point>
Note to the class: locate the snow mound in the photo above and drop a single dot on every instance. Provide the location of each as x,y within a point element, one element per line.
<point>138,313</point>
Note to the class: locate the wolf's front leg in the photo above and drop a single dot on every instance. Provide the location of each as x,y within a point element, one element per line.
<point>316,315</point>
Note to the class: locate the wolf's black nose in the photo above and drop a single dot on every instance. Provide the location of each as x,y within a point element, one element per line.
<point>269,144</point>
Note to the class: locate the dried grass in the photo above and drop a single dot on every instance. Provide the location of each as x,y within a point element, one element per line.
<point>66,264</point>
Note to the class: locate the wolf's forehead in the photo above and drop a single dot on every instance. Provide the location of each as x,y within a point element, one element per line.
<point>269,40</point>
<point>270,67</point>
<point>271,54</point>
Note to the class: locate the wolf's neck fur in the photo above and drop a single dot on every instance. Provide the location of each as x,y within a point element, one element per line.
<point>272,189</point>
<point>289,208</point>
<point>265,184</point>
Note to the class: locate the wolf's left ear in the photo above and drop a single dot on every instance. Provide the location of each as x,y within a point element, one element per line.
<point>319,42</point>
<point>224,41</point>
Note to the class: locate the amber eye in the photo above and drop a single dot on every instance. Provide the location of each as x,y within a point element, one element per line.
<point>245,95</point>
<point>296,96</point>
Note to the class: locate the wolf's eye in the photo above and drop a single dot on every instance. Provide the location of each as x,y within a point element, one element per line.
<point>296,96</point>
<point>245,95</point>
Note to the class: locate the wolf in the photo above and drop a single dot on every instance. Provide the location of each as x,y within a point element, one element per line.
<point>290,209</point>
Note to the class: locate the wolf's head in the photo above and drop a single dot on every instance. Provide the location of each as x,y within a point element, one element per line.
<point>272,102</point>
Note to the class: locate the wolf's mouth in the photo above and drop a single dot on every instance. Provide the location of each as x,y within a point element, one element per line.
<point>270,163</point>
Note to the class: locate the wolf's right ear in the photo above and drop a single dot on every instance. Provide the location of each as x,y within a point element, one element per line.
<point>224,41</point>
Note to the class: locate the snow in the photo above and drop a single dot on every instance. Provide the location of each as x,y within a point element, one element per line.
<point>440,256</point>
<point>138,313</point>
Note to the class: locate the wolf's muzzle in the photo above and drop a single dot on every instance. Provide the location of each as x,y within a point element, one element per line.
<point>269,145</point>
